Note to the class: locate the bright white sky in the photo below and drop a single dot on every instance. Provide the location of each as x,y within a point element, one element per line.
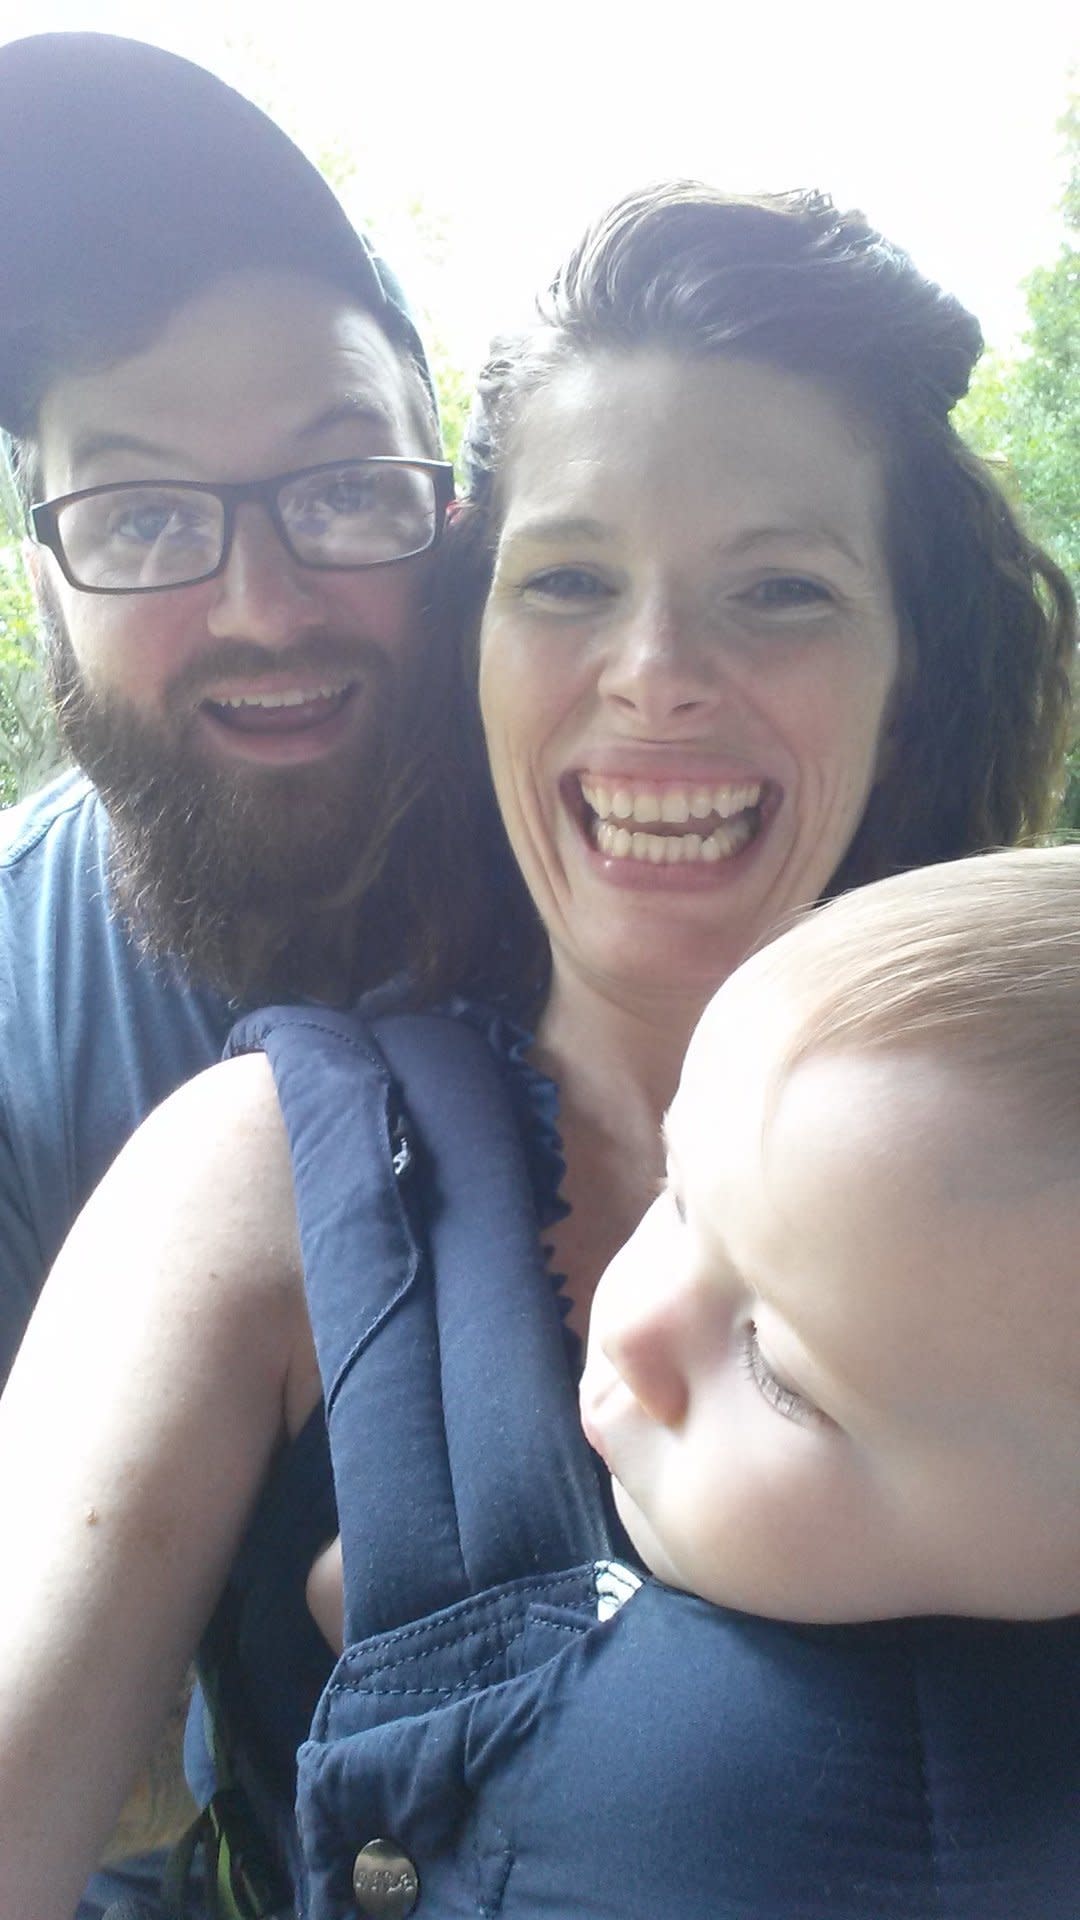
<point>513,123</point>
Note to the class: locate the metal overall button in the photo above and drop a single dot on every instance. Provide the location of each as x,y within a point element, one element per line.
<point>384,1881</point>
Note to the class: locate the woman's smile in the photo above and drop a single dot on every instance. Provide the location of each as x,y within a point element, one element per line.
<point>680,830</point>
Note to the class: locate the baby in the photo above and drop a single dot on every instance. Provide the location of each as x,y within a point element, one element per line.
<point>836,1371</point>
<point>836,1377</point>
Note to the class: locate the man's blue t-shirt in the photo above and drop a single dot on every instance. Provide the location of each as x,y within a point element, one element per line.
<point>93,1034</point>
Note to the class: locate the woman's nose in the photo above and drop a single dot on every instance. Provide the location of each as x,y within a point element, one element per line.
<point>660,666</point>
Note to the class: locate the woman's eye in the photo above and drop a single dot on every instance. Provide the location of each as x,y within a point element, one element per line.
<point>782,1398</point>
<point>567,586</point>
<point>786,593</point>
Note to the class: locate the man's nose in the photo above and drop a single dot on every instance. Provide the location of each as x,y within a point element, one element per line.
<point>662,665</point>
<point>263,594</point>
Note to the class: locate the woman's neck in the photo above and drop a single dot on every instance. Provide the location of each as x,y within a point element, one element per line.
<point>617,1064</point>
<point>604,1050</point>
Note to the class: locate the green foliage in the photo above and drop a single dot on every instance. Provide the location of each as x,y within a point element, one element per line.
<point>1024,413</point>
<point>1069,816</point>
<point>455,395</point>
<point>29,751</point>
<point>1026,410</point>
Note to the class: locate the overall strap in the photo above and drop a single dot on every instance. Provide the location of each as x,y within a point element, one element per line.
<point>525,1482</point>
<point>458,1458</point>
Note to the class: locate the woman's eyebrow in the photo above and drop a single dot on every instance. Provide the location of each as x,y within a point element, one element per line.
<point>550,530</point>
<point>806,534</point>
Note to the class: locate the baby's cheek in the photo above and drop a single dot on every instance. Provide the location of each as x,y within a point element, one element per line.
<point>652,1544</point>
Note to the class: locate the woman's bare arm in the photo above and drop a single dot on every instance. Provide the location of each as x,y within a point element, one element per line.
<point>153,1384</point>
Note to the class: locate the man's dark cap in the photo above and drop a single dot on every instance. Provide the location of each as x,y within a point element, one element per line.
<point>132,179</point>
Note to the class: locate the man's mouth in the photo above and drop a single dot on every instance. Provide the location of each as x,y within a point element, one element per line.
<point>287,710</point>
<point>671,824</point>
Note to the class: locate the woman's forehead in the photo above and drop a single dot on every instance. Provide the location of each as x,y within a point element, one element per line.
<point>623,425</point>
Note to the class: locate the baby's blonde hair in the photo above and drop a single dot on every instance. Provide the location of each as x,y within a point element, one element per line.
<point>979,958</point>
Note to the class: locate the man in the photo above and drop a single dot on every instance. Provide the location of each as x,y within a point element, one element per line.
<point>211,389</point>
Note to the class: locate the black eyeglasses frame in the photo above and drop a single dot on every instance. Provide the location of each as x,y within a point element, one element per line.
<point>44,516</point>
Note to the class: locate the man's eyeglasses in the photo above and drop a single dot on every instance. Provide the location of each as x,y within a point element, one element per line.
<point>140,537</point>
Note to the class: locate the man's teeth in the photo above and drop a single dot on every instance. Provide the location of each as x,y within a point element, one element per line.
<point>674,806</point>
<point>665,849</point>
<point>294,698</point>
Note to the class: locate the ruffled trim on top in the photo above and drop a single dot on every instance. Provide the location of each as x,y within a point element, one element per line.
<point>534,1098</point>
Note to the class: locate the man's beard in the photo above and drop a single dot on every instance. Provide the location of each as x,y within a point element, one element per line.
<point>264,885</point>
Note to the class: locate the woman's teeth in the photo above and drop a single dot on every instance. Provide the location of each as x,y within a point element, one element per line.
<point>673,805</point>
<point>665,849</point>
<point>728,809</point>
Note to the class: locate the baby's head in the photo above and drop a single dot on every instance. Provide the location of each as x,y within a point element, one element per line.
<point>836,1371</point>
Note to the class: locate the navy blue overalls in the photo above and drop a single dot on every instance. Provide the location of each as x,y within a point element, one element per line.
<point>487,1744</point>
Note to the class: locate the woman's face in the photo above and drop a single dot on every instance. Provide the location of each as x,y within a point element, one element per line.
<point>686,659</point>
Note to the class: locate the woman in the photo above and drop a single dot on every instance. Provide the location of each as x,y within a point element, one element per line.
<point>758,628</point>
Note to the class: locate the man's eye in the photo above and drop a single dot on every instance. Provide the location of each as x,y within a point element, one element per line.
<point>782,1398</point>
<point>340,496</point>
<point>786,593</point>
<point>149,522</point>
<point>354,494</point>
<point>567,586</point>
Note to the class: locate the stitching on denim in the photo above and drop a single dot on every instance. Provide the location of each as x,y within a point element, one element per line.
<point>463,1610</point>
<point>372,1683</point>
<point>565,1626</point>
<point>263,1027</point>
<point>496,1622</point>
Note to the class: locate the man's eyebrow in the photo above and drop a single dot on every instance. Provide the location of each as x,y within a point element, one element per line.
<point>354,409</point>
<point>91,446</point>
